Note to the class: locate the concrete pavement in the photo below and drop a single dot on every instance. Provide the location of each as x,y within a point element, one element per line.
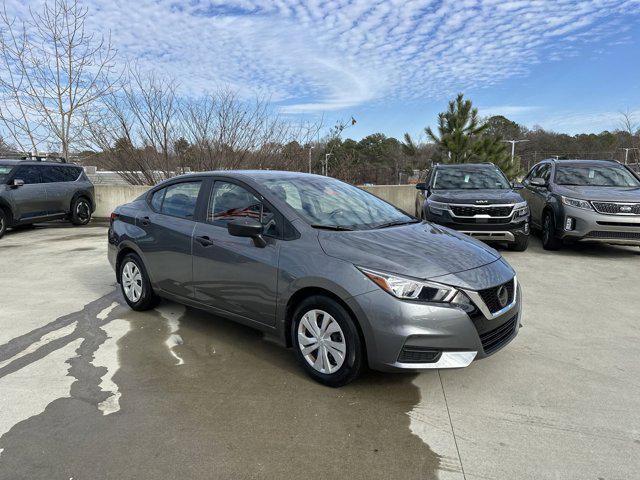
<point>91,390</point>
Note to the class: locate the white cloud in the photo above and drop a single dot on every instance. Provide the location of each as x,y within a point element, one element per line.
<point>314,55</point>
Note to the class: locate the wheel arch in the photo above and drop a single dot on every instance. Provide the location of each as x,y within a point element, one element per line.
<point>123,252</point>
<point>82,194</point>
<point>6,208</point>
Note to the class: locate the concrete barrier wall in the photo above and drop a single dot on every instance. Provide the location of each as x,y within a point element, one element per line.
<point>108,197</point>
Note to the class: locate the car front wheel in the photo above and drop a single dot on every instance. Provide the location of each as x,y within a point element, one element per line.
<point>549,239</point>
<point>3,222</point>
<point>327,342</point>
<point>135,284</point>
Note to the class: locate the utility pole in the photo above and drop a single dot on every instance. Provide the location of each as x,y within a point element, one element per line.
<point>513,147</point>
<point>326,164</point>
<point>626,153</point>
<point>310,148</point>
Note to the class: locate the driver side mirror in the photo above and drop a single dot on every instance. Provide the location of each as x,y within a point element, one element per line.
<point>537,182</point>
<point>17,182</point>
<point>421,186</point>
<point>248,228</point>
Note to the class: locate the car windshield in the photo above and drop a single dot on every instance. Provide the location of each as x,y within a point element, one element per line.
<point>5,170</point>
<point>329,203</point>
<point>595,176</point>
<point>469,179</point>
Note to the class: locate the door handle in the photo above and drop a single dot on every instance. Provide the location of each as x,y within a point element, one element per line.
<point>204,241</point>
<point>145,221</point>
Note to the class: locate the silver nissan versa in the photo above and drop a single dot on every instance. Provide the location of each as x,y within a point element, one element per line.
<point>341,276</point>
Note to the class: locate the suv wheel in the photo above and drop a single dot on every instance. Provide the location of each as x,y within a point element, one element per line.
<point>4,220</point>
<point>80,211</point>
<point>135,284</point>
<point>521,243</point>
<point>549,240</point>
<point>327,342</point>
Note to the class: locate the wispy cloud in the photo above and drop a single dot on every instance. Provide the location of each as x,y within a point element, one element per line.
<point>315,55</point>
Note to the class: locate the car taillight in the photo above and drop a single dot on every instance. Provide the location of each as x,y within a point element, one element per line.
<point>113,217</point>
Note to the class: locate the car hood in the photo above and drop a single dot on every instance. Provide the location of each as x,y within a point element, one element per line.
<point>605,194</point>
<point>420,250</point>
<point>471,197</point>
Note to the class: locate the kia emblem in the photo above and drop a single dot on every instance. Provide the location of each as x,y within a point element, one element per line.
<point>503,296</point>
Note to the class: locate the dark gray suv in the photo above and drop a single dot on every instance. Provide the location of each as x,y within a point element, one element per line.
<point>584,200</point>
<point>343,277</point>
<point>36,191</point>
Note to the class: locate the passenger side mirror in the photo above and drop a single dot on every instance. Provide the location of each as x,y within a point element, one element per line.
<point>249,228</point>
<point>17,182</point>
<point>537,182</point>
<point>421,186</point>
<point>517,185</point>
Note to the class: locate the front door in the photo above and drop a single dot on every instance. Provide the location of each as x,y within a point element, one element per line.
<point>232,273</point>
<point>30,199</point>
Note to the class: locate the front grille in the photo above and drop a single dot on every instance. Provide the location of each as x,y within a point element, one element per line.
<point>410,354</point>
<point>614,235</point>
<point>471,210</point>
<point>612,208</point>
<point>490,296</point>
<point>482,221</point>
<point>496,338</point>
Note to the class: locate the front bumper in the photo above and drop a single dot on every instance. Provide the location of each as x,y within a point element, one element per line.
<point>576,224</point>
<point>396,327</point>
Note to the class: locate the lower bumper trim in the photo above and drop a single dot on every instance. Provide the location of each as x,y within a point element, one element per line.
<point>446,360</point>
<point>495,236</point>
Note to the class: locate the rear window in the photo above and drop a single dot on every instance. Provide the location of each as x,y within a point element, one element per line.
<point>180,199</point>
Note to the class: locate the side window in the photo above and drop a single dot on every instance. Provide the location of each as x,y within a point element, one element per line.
<point>180,199</point>
<point>532,173</point>
<point>157,198</point>
<point>51,174</point>
<point>230,201</point>
<point>544,172</point>
<point>29,174</point>
<point>71,174</point>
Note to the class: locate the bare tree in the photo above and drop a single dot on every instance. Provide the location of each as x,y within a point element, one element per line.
<point>52,69</point>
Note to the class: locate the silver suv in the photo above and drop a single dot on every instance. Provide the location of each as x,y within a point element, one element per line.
<point>36,191</point>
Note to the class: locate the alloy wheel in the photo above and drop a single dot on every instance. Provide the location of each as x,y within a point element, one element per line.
<point>82,210</point>
<point>132,281</point>
<point>321,341</point>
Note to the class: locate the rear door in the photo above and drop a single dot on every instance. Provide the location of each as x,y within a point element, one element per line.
<point>168,224</point>
<point>231,273</point>
<point>60,184</point>
<point>30,199</point>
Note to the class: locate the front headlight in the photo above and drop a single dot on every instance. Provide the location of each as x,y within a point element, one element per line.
<point>437,207</point>
<point>521,209</point>
<point>574,202</point>
<point>409,288</point>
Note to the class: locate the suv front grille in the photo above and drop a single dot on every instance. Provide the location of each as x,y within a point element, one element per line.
<point>471,210</point>
<point>490,296</point>
<point>612,208</point>
<point>410,354</point>
<point>496,338</point>
<point>614,235</point>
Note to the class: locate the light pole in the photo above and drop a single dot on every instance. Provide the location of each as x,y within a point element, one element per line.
<point>326,163</point>
<point>626,153</point>
<point>513,147</point>
<point>310,148</point>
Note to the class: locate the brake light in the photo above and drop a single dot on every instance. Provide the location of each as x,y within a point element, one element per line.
<point>114,216</point>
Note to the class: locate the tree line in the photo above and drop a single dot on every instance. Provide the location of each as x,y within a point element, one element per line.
<point>61,90</point>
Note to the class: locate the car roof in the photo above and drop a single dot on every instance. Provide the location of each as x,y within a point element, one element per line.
<point>594,163</point>
<point>455,166</point>
<point>13,161</point>
<point>249,174</point>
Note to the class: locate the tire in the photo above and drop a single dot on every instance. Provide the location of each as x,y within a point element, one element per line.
<point>135,285</point>
<point>340,330</point>
<point>4,222</point>
<point>80,211</point>
<point>521,243</point>
<point>549,240</point>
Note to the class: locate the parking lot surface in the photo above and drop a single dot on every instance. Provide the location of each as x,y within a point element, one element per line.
<point>92,390</point>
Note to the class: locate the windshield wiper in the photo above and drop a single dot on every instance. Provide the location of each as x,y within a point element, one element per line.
<point>332,227</point>
<point>395,223</point>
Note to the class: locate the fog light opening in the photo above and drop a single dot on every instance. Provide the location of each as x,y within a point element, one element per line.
<point>569,224</point>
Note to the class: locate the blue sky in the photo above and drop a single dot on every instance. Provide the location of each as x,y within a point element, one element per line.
<point>567,65</point>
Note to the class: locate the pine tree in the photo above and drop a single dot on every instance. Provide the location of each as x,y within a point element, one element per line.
<point>462,138</point>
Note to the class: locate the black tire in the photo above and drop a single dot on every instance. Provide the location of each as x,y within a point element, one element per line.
<point>353,361</point>
<point>80,211</point>
<point>4,222</point>
<point>549,239</point>
<point>521,243</point>
<point>147,299</point>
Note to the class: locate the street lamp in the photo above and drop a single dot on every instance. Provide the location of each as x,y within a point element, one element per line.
<point>310,148</point>
<point>513,147</point>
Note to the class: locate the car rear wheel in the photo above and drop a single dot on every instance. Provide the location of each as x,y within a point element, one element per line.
<point>135,284</point>
<point>327,342</point>
<point>549,240</point>
<point>3,222</point>
<point>80,211</point>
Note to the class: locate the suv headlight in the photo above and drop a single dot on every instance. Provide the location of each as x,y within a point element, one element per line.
<point>574,202</point>
<point>521,209</point>
<point>437,208</point>
<point>411,289</point>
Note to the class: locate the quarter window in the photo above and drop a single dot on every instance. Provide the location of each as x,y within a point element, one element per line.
<point>180,199</point>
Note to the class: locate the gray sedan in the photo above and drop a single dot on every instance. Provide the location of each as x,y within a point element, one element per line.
<point>341,276</point>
